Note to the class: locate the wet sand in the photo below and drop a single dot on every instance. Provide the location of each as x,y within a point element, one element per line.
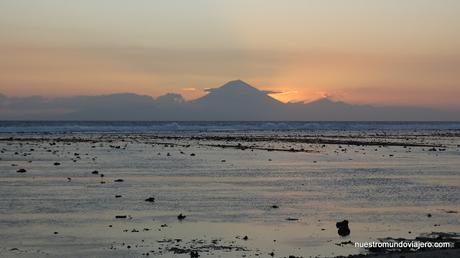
<point>243,195</point>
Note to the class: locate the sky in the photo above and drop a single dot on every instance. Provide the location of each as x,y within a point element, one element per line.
<point>386,52</point>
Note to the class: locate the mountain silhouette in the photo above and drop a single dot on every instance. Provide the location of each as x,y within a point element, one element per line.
<point>327,102</point>
<point>236,92</point>
<point>170,99</point>
<point>236,100</point>
<point>233,101</point>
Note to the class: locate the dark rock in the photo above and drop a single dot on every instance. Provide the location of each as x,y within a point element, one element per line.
<point>150,199</point>
<point>95,172</point>
<point>245,238</point>
<point>345,243</point>
<point>118,180</point>
<point>181,217</point>
<point>344,230</point>
<point>275,206</point>
<point>194,254</point>
<point>57,163</point>
<point>21,170</point>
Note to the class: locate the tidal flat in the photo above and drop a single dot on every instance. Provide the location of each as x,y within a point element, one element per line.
<point>240,194</point>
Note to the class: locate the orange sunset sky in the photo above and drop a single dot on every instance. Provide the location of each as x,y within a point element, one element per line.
<point>387,52</point>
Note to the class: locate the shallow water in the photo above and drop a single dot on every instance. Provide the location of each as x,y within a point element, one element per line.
<point>382,190</point>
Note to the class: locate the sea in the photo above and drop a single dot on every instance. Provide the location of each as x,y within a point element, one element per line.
<point>246,189</point>
<point>213,126</point>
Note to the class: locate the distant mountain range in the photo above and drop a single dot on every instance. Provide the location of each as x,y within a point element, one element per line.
<point>234,101</point>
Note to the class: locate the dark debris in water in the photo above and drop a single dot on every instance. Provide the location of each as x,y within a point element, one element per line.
<point>343,229</point>
<point>193,247</point>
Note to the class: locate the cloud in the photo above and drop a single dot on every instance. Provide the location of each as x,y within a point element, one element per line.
<point>282,92</point>
<point>272,92</point>
<point>188,89</point>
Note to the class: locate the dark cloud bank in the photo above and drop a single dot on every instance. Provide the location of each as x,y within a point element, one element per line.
<point>234,101</point>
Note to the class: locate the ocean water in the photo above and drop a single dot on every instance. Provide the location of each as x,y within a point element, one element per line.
<point>148,127</point>
<point>225,192</point>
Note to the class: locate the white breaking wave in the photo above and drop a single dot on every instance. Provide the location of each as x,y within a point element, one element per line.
<point>146,127</point>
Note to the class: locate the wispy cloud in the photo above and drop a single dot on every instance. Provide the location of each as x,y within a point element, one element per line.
<point>189,89</point>
<point>282,92</point>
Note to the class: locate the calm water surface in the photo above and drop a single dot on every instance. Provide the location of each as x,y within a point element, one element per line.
<point>226,193</point>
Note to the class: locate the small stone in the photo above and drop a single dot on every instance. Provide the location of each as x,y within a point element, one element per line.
<point>181,217</point>
<point>194,254</point>
<point>150,199</point>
